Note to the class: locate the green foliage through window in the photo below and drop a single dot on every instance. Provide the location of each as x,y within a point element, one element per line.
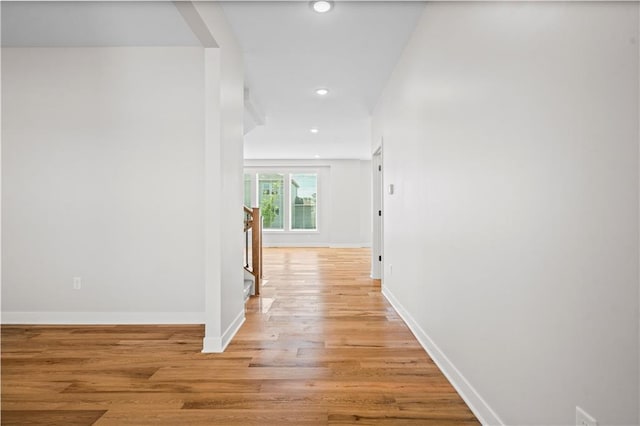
<point>271,200</point>
<point>287,201</point>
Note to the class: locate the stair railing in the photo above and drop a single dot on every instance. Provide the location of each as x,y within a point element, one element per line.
<point>253,257</point>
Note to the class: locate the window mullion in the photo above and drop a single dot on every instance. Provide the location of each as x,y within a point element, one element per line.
<point>287,203</point>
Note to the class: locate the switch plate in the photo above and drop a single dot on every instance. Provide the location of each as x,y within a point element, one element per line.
<point>584,419</point>
<point>77,283</point>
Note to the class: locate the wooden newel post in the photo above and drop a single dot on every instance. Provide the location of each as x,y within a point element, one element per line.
<point>256,247</point>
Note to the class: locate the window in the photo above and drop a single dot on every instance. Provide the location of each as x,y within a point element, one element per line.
<point>247,190</point>
<point>271,200</point>
<point>287,201</point>
<point>303,195</point>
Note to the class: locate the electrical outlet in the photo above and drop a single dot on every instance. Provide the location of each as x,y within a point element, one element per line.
<point>77,283</point>
<point>584,419</point>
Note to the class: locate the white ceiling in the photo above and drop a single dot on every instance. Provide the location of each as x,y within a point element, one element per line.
<point>79,23</point>
<point>289,51</point>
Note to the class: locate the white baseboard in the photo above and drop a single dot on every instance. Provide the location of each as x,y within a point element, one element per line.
<point>102,318</point>
<point>330,245</point>
<point>473,399</point>
<point>215,344</point>
<point>295,244</point>
<point>349,245</point>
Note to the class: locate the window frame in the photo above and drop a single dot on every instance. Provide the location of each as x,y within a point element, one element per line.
<point>291,229</point>
<point>283,199</point>
<point>254,173</point>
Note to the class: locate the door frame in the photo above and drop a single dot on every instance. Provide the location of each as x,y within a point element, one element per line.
<point>377,246</point>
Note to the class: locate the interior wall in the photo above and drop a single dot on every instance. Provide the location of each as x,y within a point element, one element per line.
<point>224,97</point>
<point>511,241</point>
<point>366,202</point>
<point>232,182</point>
<point>344,202</point>
<point>102,178</point>
<point>350,202</point>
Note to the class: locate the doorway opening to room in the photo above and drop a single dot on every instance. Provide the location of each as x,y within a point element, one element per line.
<point>377,184</point>
<point>281,206</point>
<point>309,204</point>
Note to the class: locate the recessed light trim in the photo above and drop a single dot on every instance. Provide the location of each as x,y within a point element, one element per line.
<point>314,130</point>
<point>322,6</point>
<point>322,91</point>
<point>316,156</point>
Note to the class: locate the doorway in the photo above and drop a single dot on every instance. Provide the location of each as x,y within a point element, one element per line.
<point>377,201</point>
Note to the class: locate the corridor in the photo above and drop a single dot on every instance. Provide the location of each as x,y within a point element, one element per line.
<point>320,346</point>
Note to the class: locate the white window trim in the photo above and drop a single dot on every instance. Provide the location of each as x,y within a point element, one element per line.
<point>286,172</point>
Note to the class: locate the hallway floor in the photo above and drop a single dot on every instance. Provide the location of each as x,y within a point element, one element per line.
<point>320,346</point>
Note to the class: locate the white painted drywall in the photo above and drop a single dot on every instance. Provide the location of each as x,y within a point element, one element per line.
<point>94,24</point>
<point>511,136</point>
<point>364,192</point>
<point>224,94</point>
<point>350,199</point>
<point>102,178</point>
<point>344,200</point>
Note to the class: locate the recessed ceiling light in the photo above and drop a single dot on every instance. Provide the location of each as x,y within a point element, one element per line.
<point>316,156</point>
<point>314,130</point>
<point>322,6</point>
<point>322,91</point>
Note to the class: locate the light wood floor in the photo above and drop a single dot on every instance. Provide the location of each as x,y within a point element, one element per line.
<point>321,346</point>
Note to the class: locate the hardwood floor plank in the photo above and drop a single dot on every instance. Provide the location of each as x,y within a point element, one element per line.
<point>320,346</point>
<point>228,417</point>
<point>240,374</point>
<point>300,400</point>
<point>51,417</point>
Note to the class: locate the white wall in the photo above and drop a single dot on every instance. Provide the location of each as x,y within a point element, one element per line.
<point>344,202</point>
<point>511,135</point>
<point>224,181</point>
<point>102,179</point>
<point>122,166</point>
